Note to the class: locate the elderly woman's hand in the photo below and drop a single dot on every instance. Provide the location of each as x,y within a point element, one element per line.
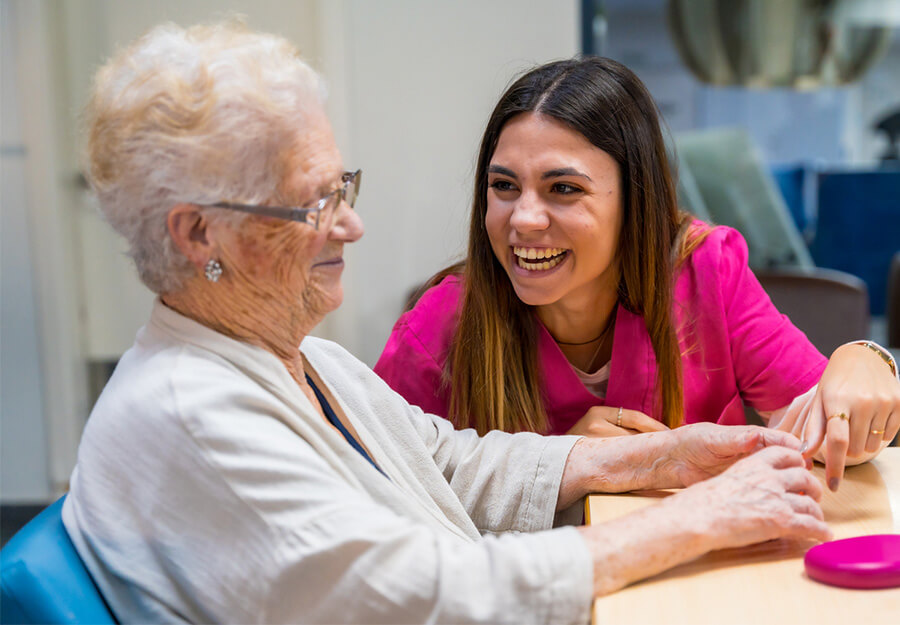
<point>767,495</point>
<point>770,494</point>
<point>670,459</point>
<point>702,450</point>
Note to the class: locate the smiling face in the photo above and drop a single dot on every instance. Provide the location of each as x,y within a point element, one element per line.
<point>554,213</point>
<point>290,266</point>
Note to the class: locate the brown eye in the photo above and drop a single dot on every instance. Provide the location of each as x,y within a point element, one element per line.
<point>564,188</point>
<point>502,186</point>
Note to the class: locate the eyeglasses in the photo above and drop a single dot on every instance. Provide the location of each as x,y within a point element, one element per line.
<point>319,215</point>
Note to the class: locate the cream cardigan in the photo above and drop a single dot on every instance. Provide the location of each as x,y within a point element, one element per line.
<point>209,490</point>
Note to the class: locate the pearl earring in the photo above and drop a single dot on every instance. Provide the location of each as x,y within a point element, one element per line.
<point>213,270</point>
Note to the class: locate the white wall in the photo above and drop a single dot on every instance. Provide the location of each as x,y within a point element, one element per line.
<point>23,465</point>
<point>420,81</point>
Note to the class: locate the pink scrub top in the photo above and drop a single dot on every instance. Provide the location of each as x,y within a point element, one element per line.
<point>736,348</point>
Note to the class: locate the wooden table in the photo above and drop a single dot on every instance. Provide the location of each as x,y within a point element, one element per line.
<point>765,583</point>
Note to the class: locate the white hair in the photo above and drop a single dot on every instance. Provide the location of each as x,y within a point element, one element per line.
<point>198,115</point>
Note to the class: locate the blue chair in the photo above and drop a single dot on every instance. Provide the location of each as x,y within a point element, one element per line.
<point>858,227</point>
<point>44,580</point>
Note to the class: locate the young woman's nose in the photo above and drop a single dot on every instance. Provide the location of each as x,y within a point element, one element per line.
<point>529,214</point>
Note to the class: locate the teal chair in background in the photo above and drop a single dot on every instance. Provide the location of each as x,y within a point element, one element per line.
<point>722,174</point>
<point>43,578</point>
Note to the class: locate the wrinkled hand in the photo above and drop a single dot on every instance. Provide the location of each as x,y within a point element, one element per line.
<point>855,383</point>
<point>702,450</point>
<point>767,495</point>
<point>600,421</point>
<point>670,459</point>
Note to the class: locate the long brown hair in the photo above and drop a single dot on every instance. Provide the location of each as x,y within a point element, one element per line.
<point>492,368</point>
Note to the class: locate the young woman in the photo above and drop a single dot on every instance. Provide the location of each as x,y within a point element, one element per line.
<point>589,304</point>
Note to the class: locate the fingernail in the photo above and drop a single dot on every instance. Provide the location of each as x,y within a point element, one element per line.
<point>804,446</point>
<point>833,483</point>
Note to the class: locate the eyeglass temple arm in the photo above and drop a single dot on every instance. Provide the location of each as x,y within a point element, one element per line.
<point>280,212</point>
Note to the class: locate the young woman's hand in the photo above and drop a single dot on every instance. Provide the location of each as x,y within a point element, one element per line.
<point>602,421</point>
<point>854,412</point>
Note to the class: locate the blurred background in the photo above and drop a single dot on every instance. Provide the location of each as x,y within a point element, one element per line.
<point>784,118</point>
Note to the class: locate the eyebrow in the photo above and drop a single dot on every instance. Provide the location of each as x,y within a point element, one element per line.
<point>503,171</point>
<point>564,171</point>
<point>553,173</point>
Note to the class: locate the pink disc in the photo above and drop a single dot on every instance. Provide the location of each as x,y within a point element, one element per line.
<point>860,562</point>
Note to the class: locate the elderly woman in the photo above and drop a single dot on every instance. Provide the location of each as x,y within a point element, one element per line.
<point>236,469</point>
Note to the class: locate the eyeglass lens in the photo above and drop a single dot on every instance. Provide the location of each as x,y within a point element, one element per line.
<point>348,192</point>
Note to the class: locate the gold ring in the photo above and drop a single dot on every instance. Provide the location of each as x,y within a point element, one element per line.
<point>619,417</point>
<point>840,415</point>
<point>876,432</point>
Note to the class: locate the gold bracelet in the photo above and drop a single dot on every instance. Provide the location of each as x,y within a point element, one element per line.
<point>885,355</point>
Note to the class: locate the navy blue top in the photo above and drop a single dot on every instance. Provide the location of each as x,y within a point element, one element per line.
<point>332,418</point>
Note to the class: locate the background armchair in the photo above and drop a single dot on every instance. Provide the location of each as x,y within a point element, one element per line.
<point>830,307</point>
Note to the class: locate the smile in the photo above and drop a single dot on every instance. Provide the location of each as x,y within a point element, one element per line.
<point>539,258</point>
<point>332,262</point>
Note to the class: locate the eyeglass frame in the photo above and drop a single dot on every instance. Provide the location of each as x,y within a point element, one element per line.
<point>349,179</point>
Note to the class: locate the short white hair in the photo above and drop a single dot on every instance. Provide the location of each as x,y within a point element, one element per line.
<point>198,115</point>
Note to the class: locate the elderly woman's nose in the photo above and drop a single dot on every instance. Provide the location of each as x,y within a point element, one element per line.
<point>348,226</point>
<point>528,214</point>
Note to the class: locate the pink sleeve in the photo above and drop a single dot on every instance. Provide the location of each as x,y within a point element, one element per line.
<point>408,367</point>
<point>413,359</point>
<point>774,362</point>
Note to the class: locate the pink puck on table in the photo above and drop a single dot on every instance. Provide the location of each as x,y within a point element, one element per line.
<point>860,562</point>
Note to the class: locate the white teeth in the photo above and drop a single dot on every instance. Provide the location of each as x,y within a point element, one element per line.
<point>537,253</point>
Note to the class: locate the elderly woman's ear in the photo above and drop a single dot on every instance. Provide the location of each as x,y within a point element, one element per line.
<point>190,230</point>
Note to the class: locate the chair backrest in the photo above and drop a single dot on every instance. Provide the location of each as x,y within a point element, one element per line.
<point>43,578</point>
<point>830,307</point>
<point>738,190</point>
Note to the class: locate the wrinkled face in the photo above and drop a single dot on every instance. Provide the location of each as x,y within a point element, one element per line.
<point>554,212</point>
<point>291,266</point>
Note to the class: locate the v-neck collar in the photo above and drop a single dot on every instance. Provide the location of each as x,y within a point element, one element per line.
<point>567,399</point>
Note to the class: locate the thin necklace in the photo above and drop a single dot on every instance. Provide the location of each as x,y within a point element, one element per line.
<point>596,338</point>
<point>609,325</point>
<point>590,363</point>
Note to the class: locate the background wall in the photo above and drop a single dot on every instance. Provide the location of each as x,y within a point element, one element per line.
<point>826,126</point>
<point>421,79</point>
<point>23,474</point>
